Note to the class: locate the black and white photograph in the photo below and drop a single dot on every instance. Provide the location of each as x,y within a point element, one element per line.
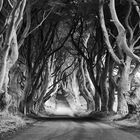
<point>69,69</point>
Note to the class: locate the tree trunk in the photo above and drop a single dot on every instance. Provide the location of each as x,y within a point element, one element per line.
<point>23,103</point>
<point>112,87</point>
<point>92,77</point>
<point>9,51</point>
<point>124,87</point>
<point>104,85</point>
<point>88,96</point>
<point>111,96</point>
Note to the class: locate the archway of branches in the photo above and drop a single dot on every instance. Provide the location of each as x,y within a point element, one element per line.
<point>87,50</point>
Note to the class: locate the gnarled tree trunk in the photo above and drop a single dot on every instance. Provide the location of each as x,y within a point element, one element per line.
<point>9,51</point>
<point>123,87</point>
<point>104,85</point>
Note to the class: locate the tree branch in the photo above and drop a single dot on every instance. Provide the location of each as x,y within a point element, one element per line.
<point>28,24</point>
<point>121,38</point>
<point>130,31</point>
<point>1,4</point>
<point>105,33</point>
<point>44,18</point>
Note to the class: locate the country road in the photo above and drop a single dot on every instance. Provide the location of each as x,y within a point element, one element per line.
<point>72,130</point>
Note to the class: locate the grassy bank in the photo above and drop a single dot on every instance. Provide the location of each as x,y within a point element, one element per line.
<point>11,123</point>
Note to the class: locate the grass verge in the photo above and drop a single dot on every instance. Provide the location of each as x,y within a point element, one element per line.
<point>9,124</point>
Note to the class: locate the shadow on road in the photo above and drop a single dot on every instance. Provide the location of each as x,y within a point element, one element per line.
<point>65,118</point>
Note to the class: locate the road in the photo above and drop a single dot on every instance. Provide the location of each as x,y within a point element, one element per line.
<point>72,130</point>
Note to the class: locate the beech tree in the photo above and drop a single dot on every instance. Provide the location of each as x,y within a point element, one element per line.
<point>126,39</point>
<point>9,45</point>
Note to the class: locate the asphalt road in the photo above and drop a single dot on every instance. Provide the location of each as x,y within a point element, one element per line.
<point>72,130</point>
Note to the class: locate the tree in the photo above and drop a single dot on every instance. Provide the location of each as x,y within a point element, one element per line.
<point>9,48</point>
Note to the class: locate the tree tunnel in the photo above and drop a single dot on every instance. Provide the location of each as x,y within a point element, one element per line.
<point>80,55</point>
<point>73,89</point>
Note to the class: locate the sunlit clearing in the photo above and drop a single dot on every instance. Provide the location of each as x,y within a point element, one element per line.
<point>63,110</point>
<point>59,107</point>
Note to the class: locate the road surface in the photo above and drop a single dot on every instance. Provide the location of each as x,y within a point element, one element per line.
<point>72,130</point>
